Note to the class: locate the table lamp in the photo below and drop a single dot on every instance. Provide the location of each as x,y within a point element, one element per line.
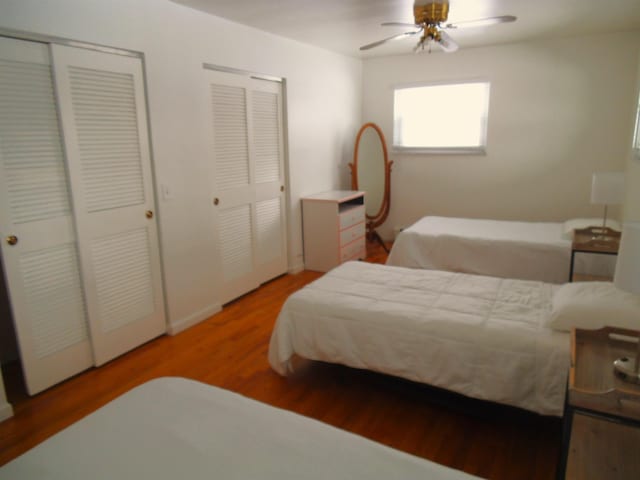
<point>627,277</point>
<point>607,188</point>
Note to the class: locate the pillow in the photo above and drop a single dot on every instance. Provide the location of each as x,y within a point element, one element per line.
<point>570,225</point>
<point>593,305</point>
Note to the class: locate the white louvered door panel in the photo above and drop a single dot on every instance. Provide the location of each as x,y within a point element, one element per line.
<point>42,268</point>
<point>247,154</point>
<point>233,189</point>
<point>102,104</point>
<point>235,235</point>
<point>268,156</point>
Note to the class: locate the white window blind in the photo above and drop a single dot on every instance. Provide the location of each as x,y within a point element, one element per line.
<point>636,132</point>
<point>441,118</point>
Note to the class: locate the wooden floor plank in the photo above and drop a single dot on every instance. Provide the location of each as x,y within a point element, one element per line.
<point>229,350</point>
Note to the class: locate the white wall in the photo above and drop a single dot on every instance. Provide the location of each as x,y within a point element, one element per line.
<point>632,200</point>
<point>559,111</point>
<point>323,112</point>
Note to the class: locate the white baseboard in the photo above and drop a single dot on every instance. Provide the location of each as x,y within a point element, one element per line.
<point>6,411</point>
<point>193,319</point>
<point>296,268</point>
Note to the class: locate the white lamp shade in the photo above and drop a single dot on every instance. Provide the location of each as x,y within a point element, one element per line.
<point>627,276</point>
<point>607,188</point>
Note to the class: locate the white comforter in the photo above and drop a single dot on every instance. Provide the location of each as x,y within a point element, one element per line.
<point>479,336</point>
<point>173,428</point>
<point>524,250</point>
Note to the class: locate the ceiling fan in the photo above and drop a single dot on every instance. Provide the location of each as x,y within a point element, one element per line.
<point>429,22</point>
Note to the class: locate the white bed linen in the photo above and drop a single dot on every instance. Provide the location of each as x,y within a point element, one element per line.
<point>480,336</point>
<point>174,428</point>
<point>523,250</point>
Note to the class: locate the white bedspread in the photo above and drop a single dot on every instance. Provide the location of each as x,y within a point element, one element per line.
<point>173,428</point>
<point>479,336</point>
<point>524,250</point>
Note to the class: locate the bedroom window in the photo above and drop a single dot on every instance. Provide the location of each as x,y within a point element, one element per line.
<point>441,118</point>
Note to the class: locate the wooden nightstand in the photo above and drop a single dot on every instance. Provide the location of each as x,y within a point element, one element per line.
<point>603,241</point>
<point>601,433</point>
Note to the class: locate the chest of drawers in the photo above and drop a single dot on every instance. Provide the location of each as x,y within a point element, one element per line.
<point>333,229</point>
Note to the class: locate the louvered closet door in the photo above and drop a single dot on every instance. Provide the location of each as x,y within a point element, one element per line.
<point>42,268</point>
<point>246,151</point>
<point>234,202</point>
<point>268,156</point>
<point>102,104</point>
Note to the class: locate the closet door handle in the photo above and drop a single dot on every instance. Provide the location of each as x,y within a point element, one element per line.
<point>216,201</point>
<point>12,239</point>
<point>149,214</point>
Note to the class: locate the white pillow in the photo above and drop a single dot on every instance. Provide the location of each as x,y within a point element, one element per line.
<point>570,225</point>
<point>593,305</point>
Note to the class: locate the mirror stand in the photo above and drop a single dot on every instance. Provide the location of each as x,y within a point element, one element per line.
<point>373,235</point>
<point>371,172</point>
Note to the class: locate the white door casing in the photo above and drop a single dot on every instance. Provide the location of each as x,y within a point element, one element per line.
<point>103,115</point>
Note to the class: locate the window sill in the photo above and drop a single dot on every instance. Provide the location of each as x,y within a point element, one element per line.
<point>440,150</point>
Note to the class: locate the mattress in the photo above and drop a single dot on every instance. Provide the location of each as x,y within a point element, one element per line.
<point>480,336</point>
<point>522,250</point>
<point>172,428</point>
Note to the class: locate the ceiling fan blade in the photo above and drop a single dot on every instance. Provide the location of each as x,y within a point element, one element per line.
<point>446,42</point>
<point>394,37</point>
<point>482,22</point>
<point>400,24</point>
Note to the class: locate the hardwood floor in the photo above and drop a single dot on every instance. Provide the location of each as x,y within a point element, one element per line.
<point>229,350</point>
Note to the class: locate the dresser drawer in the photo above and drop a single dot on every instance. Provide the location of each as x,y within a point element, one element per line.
<point>351,217</point>
<point>353,250</point>
<point>350,234</point>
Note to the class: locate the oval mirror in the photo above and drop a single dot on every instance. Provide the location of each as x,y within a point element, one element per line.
<point>370,172</point>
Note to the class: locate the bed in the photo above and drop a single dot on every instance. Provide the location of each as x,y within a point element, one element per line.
<point>172,428</point>
<point>507,249</point>
<point>479,336</point>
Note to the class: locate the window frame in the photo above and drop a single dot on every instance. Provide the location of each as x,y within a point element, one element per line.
<point>457,150</point>
<point>635,146</point>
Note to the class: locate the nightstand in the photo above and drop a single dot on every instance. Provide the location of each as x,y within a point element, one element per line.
<point>601,432</point>
<point>603,241</point>
<point>333,228</point>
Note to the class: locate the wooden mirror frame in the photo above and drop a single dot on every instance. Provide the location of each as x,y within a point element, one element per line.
<point>378,219</point>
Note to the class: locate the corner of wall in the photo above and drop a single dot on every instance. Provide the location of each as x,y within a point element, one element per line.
<point>6,410</point>
<point>296,268</point>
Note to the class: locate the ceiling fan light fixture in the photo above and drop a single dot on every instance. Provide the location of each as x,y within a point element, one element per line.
<point>446,42</point>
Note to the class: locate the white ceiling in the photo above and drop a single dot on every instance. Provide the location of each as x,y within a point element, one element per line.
<point>345,25</point>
